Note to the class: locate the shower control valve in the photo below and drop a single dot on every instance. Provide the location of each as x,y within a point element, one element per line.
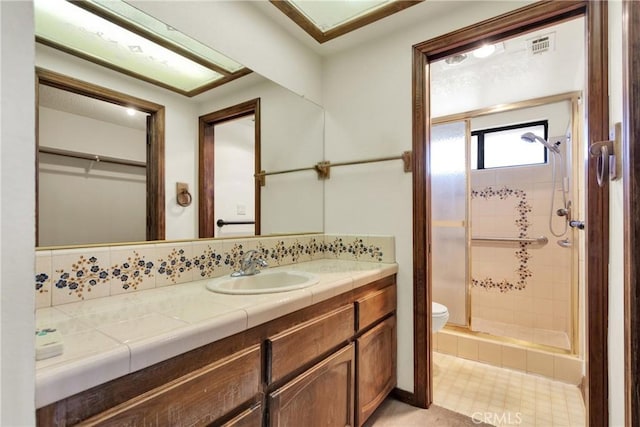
<point>577,224</point>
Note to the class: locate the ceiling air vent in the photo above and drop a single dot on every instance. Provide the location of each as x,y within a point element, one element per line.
<point>540,44</point>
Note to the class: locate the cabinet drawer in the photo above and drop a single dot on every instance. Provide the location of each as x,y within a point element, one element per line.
<point>374,306</point>
<point>295,347</point>
<point>198,398</point>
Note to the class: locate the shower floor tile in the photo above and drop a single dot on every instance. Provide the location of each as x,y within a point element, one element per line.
<point>503,397</point>
<point>548,337</point>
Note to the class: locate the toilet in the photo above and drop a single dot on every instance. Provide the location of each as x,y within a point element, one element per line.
<point>439,316</point>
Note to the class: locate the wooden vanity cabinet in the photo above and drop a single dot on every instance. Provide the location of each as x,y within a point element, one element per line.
<point>329,364</point>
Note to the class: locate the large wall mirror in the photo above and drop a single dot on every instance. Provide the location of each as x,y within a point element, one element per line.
<point>128,192</point>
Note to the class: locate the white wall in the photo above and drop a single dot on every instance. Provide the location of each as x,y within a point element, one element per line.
<point>234,183</point>
<point>616,239</point>
<point>367,97</point>
<point>181,131</point>
<point>17,220</point>
<point>230,27</point>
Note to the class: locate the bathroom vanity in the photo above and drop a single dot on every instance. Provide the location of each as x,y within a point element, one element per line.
<point>330,362</point>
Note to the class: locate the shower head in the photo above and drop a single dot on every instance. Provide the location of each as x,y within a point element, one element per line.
<point>531,137</point>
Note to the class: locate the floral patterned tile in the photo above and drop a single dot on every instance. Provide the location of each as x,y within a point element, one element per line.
<point>65,276</point>
<point>351,247</point>
<point>236,249</point>
<point>43,278</point>
<point>314,246</point>
<point>275,250</point>
<point>209,260</point>
<point>80,274</point>
<point>381,248</point>
<point>132,268</point>
<point>522,213</point>
<point>174,263</point>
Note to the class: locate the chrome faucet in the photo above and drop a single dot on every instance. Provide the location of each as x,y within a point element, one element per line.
<point>249,264</point>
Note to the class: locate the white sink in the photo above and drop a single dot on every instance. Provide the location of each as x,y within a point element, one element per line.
<point>264,282</point>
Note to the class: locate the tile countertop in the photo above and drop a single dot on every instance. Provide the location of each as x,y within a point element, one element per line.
<point>106,338</point>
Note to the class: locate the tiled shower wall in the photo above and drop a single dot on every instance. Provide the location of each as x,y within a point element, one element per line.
<point>69,275</point>
<point>520,285</point>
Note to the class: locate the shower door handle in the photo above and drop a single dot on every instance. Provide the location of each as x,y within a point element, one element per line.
<point>603,150</point>
<point>607,165</point>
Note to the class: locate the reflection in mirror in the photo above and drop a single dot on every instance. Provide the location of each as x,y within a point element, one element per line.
<point>100,165</point>
<point>291,134</point>
<point>292,137</point>
<point>92,163</point>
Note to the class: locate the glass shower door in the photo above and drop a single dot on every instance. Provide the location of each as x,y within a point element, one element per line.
<point>449,218</point>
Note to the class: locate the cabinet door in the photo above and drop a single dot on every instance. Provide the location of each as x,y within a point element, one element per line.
<point>376,355</point>
<point>199,398</point>
<point>321,396</point>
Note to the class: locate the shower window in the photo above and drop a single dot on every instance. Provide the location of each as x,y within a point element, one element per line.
<point>502,147</point>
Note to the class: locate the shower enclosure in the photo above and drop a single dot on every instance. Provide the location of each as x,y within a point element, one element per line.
<point>504,190</point>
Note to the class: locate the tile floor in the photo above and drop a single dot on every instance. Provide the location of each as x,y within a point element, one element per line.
<point>548,337</point>
<point>504,397</point>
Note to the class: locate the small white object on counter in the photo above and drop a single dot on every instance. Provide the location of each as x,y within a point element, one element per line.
<point>48,343</point>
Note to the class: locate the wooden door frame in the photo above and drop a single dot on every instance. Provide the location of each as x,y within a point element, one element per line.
<point>206,138</point>
<point>155,206</point>
<point>631,165</point>
<point>531,17</point>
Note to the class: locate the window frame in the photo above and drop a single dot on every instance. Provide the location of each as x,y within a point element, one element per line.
<point>480,134</point>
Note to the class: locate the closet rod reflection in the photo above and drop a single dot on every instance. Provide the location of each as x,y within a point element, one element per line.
<point>540,240</point>
<point>94,157</point>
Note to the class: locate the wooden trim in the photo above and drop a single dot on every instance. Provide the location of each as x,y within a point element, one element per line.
<point>631,183</point>
<point>37,159</point>
<point>597,219</point>
<point>422,348</point>
<point>528,18</point>
<point>324,36</point>
<point>155,140</point>
<point>155,176</point>
<point>206,187</point>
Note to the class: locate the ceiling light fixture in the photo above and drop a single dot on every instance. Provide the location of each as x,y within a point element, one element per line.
<point>456,59</point>
<point>484,51</point>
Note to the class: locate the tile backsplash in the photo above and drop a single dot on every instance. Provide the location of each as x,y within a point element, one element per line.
<point>69,275</point>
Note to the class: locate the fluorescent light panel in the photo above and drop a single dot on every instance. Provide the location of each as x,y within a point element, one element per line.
<point>74,28</point>
<point>147,22</point>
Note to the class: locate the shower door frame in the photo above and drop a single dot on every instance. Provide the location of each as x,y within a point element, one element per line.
<point>525,19</point>
<point>573,98</point>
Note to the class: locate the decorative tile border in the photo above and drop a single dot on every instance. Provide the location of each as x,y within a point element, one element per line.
<point>64,276</point>
<point>523,209</point>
